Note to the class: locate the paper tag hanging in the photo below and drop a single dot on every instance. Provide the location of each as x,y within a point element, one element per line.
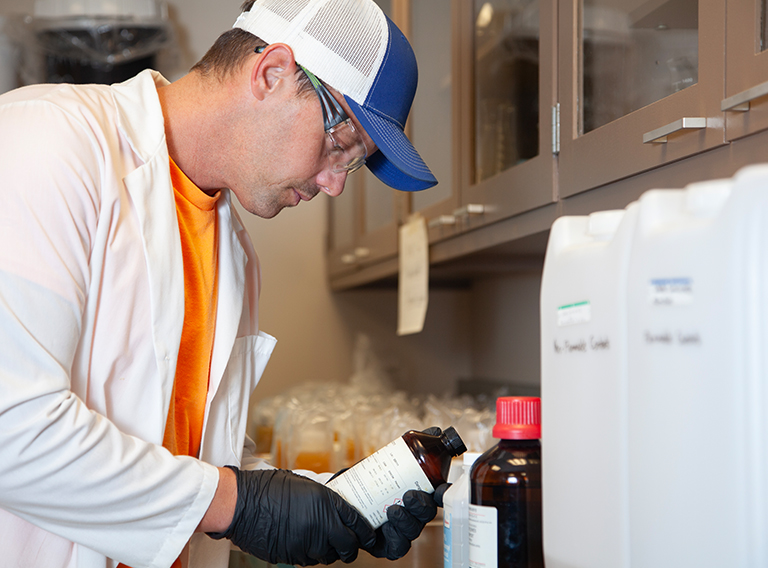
<point>413,284</point>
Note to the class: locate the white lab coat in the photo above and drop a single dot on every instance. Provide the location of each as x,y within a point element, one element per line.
<point>91,311</point>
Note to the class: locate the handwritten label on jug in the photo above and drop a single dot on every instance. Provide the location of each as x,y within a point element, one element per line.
<point>572,314</point>
<point>684,338</point>
<point>582,345</point>
<point>670,292</point>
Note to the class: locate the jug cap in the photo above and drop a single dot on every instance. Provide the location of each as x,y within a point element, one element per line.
<point>518,418</point>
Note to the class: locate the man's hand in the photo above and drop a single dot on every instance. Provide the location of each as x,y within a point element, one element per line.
<point>282,517</point>
<point>404,524</point>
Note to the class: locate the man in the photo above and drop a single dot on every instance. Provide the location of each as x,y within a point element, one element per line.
<point>129,340</point>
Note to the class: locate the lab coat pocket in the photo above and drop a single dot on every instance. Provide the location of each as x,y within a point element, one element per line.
<point>228,413</point>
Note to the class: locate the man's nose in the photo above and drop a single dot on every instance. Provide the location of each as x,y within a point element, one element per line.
<point>332,183</point>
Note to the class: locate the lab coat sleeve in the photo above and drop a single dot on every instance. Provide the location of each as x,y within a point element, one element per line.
<point>64,467</point>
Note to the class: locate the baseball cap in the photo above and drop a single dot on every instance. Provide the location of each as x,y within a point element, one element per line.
<point>356,49</point>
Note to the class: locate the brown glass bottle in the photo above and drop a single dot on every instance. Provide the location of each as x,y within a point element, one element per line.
<point>434,453</point>
<point>507,478</point>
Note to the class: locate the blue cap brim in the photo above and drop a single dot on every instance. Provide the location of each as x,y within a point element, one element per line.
<point>397,163</point>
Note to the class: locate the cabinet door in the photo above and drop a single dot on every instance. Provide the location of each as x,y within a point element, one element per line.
<point>640,86</point>
<point>746,69</point>
<point>507,65</point>
<point>431,123</point>
<point>378,211</point>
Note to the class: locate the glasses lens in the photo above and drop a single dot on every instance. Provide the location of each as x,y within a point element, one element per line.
<point>346,149</point>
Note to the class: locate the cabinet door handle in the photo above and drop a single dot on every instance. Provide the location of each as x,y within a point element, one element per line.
<point>441,221</point>
<point>362,252</point>
<point>740,101</point>
<point>470,209</point>
<point>659,136</point>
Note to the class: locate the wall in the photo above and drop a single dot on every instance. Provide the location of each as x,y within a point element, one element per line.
<point>505,331</point>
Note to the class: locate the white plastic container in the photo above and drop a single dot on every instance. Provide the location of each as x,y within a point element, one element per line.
<point>750,195</point>
<point>688,400</point>
<point>583,391</point>
<point>456,517</point>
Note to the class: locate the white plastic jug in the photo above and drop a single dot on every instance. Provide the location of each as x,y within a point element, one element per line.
<point>583,391</point>
<point>687,379</point>
<point>750,201</point>
<point>456,516</point>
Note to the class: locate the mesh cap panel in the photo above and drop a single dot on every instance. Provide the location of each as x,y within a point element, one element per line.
<point>359,45</point>
<point>289,10</point>
<point>342,42</point>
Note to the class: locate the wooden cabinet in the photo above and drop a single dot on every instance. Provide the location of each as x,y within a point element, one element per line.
<point>502,69</point>
<point>640,86</point>
<point>746,74</point>
<point>530,109</point>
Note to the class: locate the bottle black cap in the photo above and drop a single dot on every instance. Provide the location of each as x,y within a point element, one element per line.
<point>454,441</point>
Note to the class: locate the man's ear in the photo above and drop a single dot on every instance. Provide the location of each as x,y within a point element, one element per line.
<point>273,70</point>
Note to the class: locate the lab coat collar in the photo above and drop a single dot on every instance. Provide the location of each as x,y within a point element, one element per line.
<point>138,110</point>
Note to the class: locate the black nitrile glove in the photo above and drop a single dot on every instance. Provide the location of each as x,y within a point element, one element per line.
<point>439,492</point>
<point>282,517</point>
<point>404,524</point>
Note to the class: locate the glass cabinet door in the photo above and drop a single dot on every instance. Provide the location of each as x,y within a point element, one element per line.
<point>431,123</point>
<point>507,63</point>
<point>639,86</point>
<point>746,71</point>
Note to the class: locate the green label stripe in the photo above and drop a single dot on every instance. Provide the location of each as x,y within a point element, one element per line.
<point>579,304</point>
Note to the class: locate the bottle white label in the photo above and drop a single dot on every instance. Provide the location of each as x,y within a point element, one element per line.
<point>380,481</point>
<point>447,549</point>
<point>483,537</point>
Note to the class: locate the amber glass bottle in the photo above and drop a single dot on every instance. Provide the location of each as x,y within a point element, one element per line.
<point>505,491</point>
<point>415,460</point>
<point>434,453</point>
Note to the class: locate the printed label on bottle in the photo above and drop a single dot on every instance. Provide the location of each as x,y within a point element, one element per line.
<point>447,557</point>
<point>380,481</point>
<point>483,536</point>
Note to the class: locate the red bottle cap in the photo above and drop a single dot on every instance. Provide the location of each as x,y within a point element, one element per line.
<point>518,418</point>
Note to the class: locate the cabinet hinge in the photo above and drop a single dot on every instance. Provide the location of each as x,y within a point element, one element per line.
<point>556,129</point>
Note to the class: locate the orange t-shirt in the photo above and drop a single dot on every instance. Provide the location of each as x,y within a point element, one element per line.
<point>196,212</point>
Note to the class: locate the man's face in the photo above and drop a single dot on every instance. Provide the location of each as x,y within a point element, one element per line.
<point>292,164</point>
